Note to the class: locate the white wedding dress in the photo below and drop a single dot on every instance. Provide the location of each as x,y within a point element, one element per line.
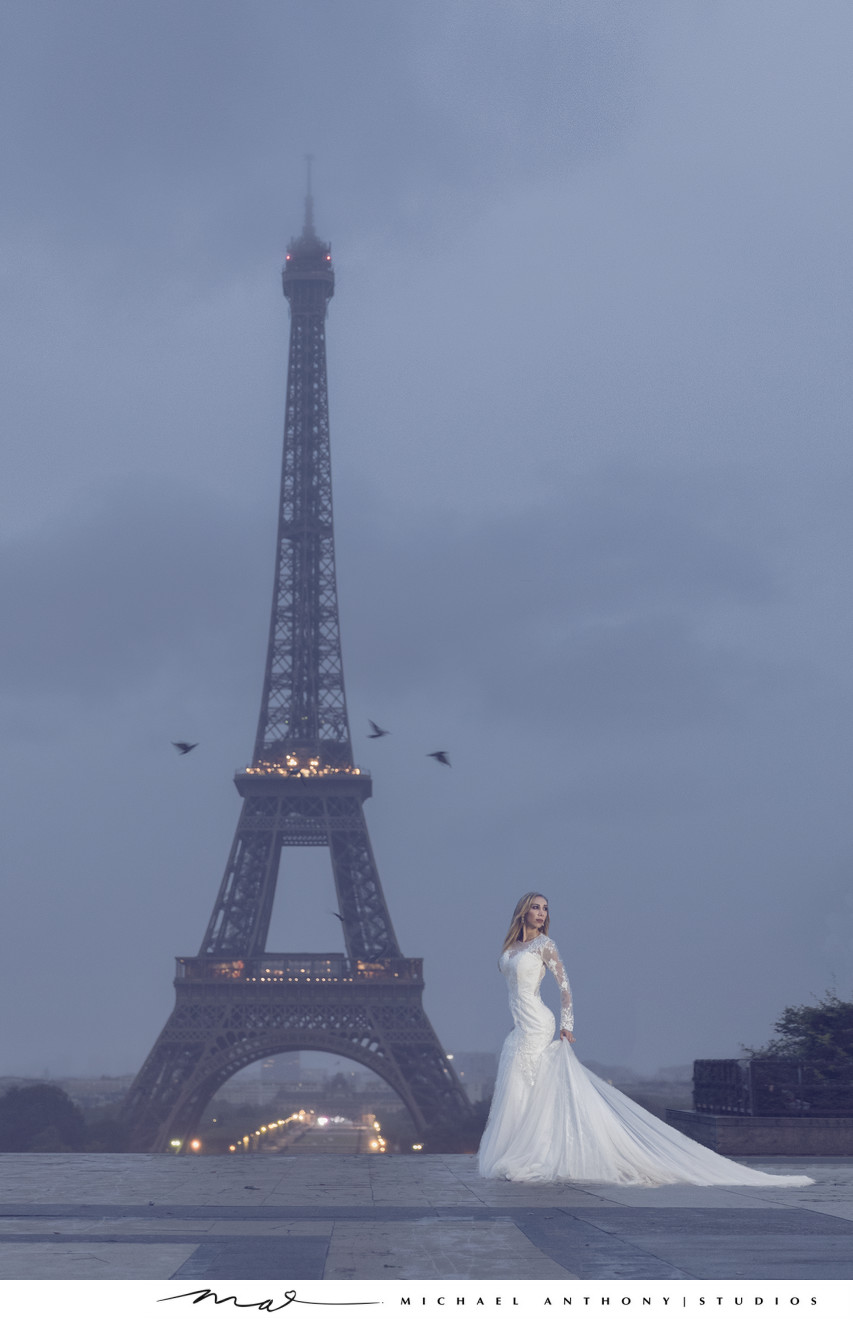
<point>553,1120</point>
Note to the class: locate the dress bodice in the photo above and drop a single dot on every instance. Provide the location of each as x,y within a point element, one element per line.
<point>524,966</point>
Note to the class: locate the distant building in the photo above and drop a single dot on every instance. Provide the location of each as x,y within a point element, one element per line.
<point>282,1068</point>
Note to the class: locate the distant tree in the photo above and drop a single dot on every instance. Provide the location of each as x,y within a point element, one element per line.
<point>41,1117</point>
<point>106,1130</point>
<point>819,1035</point>
<point>461,1136</point>
<point>49,1139</point>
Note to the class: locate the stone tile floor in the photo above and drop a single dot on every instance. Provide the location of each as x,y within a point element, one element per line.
<point>137,1217</point>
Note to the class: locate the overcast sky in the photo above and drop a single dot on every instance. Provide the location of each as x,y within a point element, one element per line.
<point>589,361</point>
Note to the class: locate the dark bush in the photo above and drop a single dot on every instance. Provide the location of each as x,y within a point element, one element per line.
<point>106,1130</point>
<point>460,1137</point>
<point>41,1117</point>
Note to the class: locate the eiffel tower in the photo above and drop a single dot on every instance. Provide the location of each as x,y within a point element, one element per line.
<point>234,1001</point>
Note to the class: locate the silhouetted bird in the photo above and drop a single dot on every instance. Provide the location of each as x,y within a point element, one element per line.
<point>338,916</point>
<point>184,748</point>
<point>377,731</point>
<point>440,756</point>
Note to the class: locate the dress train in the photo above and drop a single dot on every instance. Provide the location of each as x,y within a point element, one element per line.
<point>553,1120</point>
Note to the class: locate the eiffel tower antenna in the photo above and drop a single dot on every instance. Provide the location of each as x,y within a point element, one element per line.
<point>235,1002</point>
<point>308,231</point>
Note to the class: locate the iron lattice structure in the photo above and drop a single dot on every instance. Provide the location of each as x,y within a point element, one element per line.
<point>235,1002</point>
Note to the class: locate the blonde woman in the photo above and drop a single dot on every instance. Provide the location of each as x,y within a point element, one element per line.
<point>551,1119</point>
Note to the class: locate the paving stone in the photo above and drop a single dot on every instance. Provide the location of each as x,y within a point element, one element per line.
<point>127,1228</point>
<point>772,1257</point>
<point>696,1221</point>
<point>445,1250</point>
<point>268,1257</point>
<point>594,1253</point>
<point>106,1261</point>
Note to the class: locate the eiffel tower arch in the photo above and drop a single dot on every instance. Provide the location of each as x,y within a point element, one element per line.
<point>235,1002</point>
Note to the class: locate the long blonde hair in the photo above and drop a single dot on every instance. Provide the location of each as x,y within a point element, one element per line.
<point>522,908</point>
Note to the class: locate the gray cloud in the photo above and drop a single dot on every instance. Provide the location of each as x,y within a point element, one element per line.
<point>135,579</point>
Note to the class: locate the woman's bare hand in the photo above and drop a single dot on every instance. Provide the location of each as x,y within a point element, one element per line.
<point>569,1036</point>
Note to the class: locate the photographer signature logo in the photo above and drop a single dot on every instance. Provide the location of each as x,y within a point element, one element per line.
<point>264,1304</point>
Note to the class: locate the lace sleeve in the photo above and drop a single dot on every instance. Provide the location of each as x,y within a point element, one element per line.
<point>551,959</point>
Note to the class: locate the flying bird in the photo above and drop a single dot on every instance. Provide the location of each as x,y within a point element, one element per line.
<point>440,756</point>
<point>184,748</point>
<point>337,915</point>
<point>378,732</point>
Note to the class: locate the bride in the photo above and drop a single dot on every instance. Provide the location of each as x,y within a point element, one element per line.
<point>552,1119</point>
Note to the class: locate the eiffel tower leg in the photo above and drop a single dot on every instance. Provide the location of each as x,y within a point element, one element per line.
<point>366,921</point>
<point>243,908</point>
<point>410,1040</point>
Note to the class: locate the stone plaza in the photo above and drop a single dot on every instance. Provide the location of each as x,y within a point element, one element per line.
<point>429,1217</point>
